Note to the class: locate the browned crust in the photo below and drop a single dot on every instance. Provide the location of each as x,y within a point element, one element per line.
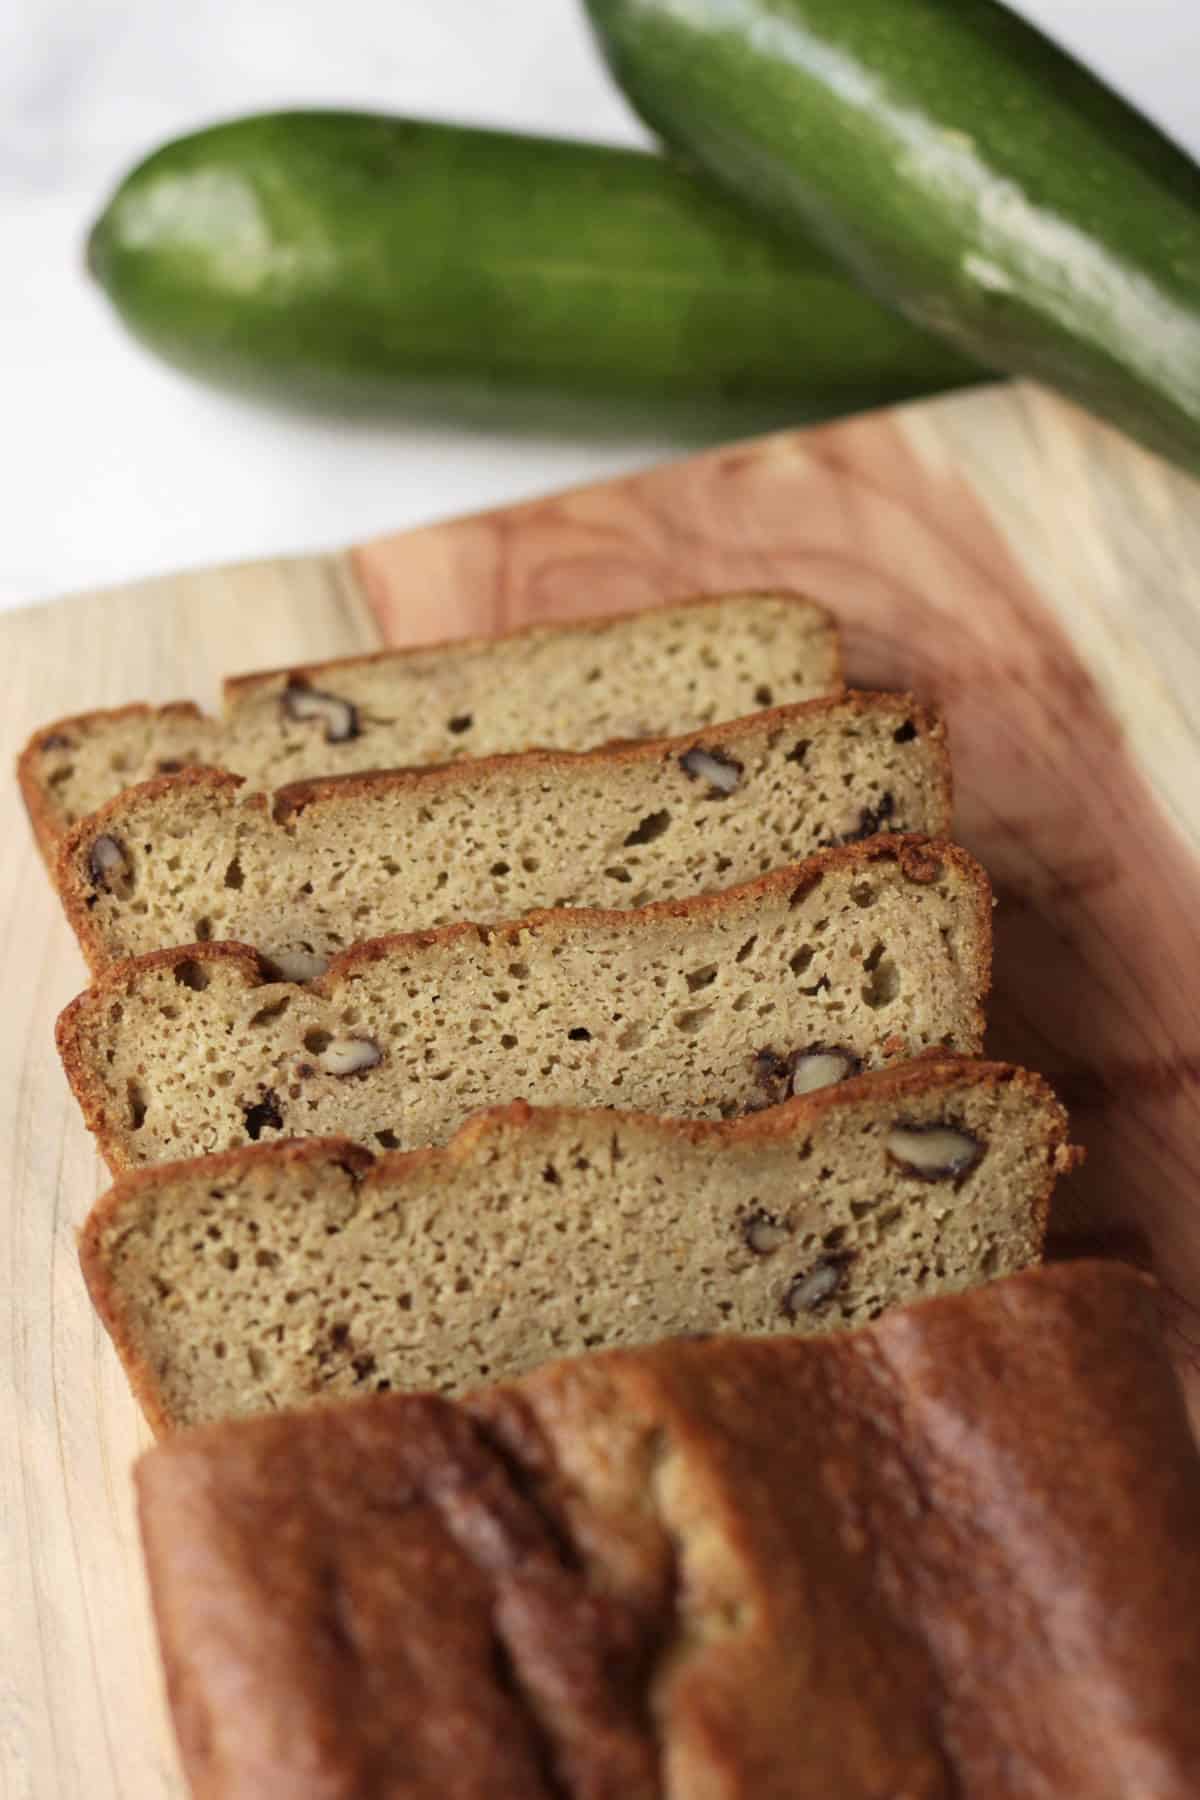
<point>235,684</point>
<point>33,791</point>
<point>903,1081</point>
<point>66,856</point>
<point>856,703</point>
<point>41,815</point>
<point>917,855</point>
<point>255,971</point>
<point>298,1153</point>
<point>68,861</point>
<point>999,1487</point>
<point>919,858</point>
<point>792,1119</point>
<point>295,796</point>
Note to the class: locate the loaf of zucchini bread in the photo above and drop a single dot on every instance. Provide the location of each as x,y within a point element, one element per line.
<point>283,1273</point>
<point>954,1556</point>
<point>874,952</point>
<point>669,670</point>
<point>329,862</point>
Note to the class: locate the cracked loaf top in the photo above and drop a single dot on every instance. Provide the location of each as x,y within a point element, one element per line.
<point>955,1554</point>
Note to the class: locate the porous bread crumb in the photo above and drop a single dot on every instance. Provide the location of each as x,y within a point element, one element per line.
<point>332,862</point>
<point>694,1007</point>
<point>281,1274</point>
<point>669,670</point>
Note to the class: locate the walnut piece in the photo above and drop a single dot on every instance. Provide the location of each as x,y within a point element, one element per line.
<point>299,965</point>
<point>802,1071</point>
<point>811,1293</point>
<point>350,1056</point>
<point>108,866</point>
<point>764,1233</point>
<point>772,1074</point>
<point>934,1152</point>
<point>872,820</point>
<point>721,772</point>
<point>822,1065</point>
<point>340,717</point>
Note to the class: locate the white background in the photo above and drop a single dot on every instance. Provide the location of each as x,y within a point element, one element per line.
<point>112,466</point>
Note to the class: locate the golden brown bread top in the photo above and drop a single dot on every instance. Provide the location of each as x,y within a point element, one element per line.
<point>921,860</point>
<point>310,1270</point>
<point>568,630</point>
<point>668,667</point>
<point>956,1554</point>
<point>331,859</point>
<point>899,1083</point>
<point>191,1034</point>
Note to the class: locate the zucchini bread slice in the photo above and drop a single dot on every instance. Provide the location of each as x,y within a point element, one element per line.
<point>669,670</point>
<point>279,1274</point>
<point>327,863</point>
<point>956,1554</point>
<point>873,952</point>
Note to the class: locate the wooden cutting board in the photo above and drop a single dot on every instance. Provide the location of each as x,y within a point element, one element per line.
<point>996,551</point>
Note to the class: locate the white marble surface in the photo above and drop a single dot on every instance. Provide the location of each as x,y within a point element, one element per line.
<point>113,466</point>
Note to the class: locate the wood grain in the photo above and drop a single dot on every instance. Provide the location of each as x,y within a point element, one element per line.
<point>996,550</point>
<point>80,1712</point>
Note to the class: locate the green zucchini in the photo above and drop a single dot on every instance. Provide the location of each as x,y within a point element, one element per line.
<point>961,166</point>
<point>344,260</point>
